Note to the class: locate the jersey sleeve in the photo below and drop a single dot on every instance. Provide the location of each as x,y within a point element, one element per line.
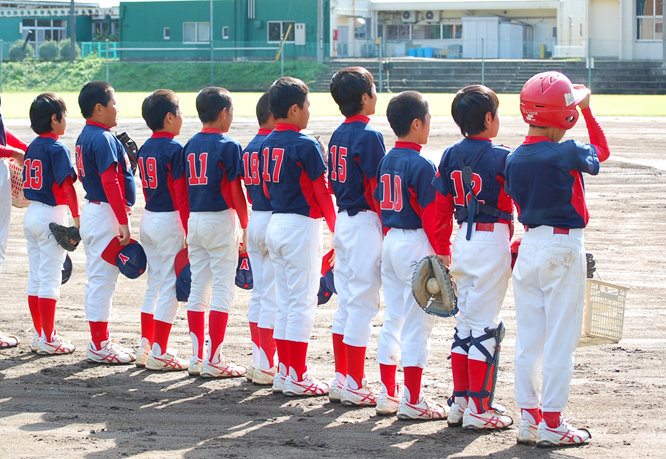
<point>231,159</point>
<point>311,159</point>
<point>422,185</point>
<point>106,151</point>
<point>61,164</point>
<point>373,148</point>
<point>585,158</point>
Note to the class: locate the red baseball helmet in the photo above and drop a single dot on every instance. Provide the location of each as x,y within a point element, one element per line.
<point>549,99</point>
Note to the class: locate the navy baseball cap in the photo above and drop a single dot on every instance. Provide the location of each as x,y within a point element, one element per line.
<point>326,282</point>
<point>130,259</point>
<point>244,278</point>
<point>183,275</point>
<point>66,269</point>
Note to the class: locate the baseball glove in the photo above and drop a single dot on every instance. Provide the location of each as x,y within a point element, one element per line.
<point>591,265</point>
<point>433,287</point>
<point>130,147</point>
<point>67,237</point>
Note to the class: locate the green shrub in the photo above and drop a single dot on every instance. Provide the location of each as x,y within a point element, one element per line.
<point>48,51</point>
<point>18,53</point>
<point>66,49</point>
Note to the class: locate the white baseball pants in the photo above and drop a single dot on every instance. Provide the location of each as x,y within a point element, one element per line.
<point>263,304</point>
<point>294,244</point>
<point>5,208</point>
<point>406,329</point>
<point>162,237</point>
<point>549,285</point>
<point>98,226</point>
<point>212,244</point>
<point>481,268</point>
<point>358,250</point>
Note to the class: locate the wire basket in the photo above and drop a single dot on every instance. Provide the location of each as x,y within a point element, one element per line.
<point>603,319</point>
<point>16,171</point>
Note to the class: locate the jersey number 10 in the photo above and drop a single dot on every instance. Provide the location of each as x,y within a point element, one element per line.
<point>387,203</point>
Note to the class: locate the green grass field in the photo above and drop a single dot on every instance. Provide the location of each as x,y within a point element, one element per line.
<point>16,105</point>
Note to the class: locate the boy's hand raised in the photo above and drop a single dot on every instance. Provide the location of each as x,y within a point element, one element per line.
<point>586,100</point>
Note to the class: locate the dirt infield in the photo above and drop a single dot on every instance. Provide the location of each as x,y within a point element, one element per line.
<point>65,407</point>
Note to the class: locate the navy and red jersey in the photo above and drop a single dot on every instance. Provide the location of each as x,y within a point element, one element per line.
<point>211,161</point>
<point>544,179</point>
<point>252,173</point>
<point>96,150</point>
<point>160,160</point>
<point>355,151</point>
<point>47,165</point>
<point>290,163</point>
<point>404,186</point>
<point>487,178</point>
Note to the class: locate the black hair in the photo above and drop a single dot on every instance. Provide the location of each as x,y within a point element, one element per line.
<point>405,108</point>
<point>42,110</point>
<point>211,101</point>
<point>93,93</point>
<point>469,108</point>
<point>284,93</point>
<point>156,106</point>
<point>263,109</point>
<point>347,88</point>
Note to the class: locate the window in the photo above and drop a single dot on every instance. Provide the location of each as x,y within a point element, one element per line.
<point>452,31</point>
<point>362,26</point>
<point>41,30</point>
<point>397,32</point>
<point>225,33</point>
<point>650,20</point>
<point>167,33</point>
<point>196,32</point>
<point>426,32</point>
<point>276,29</point>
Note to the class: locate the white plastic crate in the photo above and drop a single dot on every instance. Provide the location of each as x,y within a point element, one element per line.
<point>603,319</point>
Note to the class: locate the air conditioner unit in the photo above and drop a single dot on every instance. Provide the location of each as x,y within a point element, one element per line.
<point>431,16</point>
<point>409,16</point>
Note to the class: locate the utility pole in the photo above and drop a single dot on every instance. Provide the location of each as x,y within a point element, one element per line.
<point>72,28</point>
<point>212,45</point>
<point>320,31</point>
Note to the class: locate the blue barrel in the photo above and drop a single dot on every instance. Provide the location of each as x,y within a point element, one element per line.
<point>412,52</point>
<point>419,52</point>
<point>428,51</point>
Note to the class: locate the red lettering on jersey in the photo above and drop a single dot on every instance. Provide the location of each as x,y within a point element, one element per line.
<point>342,165</point>
<point>244,265</point>
<point>79,161</point>
<point>459,188</point>
<point>254,166</point>
<point>195,179</point>
<point>142,173</point>
<point>148,172</point>
<point>277,156</point>
<point>334,159</point>
<point>26,173</point>
<point>123,258</point>
<point>246,168</point>
<point>266,175</point>
<point>387,203</point>
<point>33,174</point>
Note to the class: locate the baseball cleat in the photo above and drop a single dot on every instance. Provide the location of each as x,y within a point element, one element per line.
<point>562,435</point>
<point>195,366</point>
<point>110,353</point>
<point>492,419</point>
<point>423,410</point>
<point>225,369</point>
<point>142,353</point>
<point>527,432</point>
<point>166,362</point>
<point>310,386</point>
<point>386,404</point>
<point>250,371</point>
<point>8,341</point>
<point>263,377</point>
<point>278,383</point>
<point>57,346</point>
<point>364,396</point>
<point>335,391</point>
<point>455,418</point>
<point>34,345</point>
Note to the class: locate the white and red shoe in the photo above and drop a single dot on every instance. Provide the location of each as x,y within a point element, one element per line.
<point>168,361</point>
<point>423,410</point>
<point>310,386</point>
<point>8,341</point>
<point>492,419</point>
<point>111,352</point>
<point>363,396</point>
<point>562,435</point>
<point>263,377</point>
<point>224,369</point>
<point>57,346</point>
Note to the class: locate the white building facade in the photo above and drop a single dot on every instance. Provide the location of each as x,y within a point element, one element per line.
<point>514,29</point>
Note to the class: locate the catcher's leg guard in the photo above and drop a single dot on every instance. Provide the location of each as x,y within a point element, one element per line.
<point>463,344</point>
<point>487,393</point>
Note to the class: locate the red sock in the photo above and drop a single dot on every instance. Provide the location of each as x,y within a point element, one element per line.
<point>267,344</point>
<point>147,327</point>
<point>356,363</point>
<point>283,354</point>
<point>339,354</point>
<point>195,321</point>
<point>254,335</point>
<point>535,413</point>
<point>552,418</point>
<point>460,374</point>
<point>477,376</point>
<point>162,331</point>
<point>413,377</point>
<point>33,304</point>
<point>387,375</point>
<point>298,353</point>
<point>217,327</point>
<point>47,308</point>
<point>99,332</point>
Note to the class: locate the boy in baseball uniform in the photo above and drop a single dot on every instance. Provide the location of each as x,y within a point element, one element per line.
<point>263,306</point>
<point>163,226</point>
<point>105,173</point>
<point>407,202</point>
<point>213,170</point>
<point>48,181</point>
<point>14,148</point>
<point>544,178</point>
<point>355,151</point>
<point>480,261</point>
<point>294,173</point>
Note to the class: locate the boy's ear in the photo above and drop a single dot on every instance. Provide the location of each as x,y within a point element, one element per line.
<point>54,118</point>
<point>168,118</point>
<point>416,124</point>
<point>489,119</point>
